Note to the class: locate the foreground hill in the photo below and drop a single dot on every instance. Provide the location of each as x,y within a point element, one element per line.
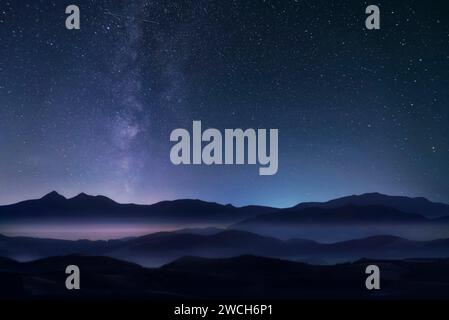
<point>244,277</point>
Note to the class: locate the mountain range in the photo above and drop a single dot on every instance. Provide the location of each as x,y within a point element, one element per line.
<point>83,206</point>
<point>346,222</point>
<point>324,249</point>
<point>161,248</point>
<point>418,205</point>
<point>347,218</point>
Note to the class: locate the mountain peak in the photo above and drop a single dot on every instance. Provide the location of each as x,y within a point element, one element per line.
<point>53,196</point>
<point>377,195</point>
<point>84,197</point>
<point>372,194</point>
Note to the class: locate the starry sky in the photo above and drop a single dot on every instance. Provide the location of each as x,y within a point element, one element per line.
<point>91,110</point>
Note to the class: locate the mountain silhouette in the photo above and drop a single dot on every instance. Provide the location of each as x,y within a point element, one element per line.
<point>52,197</point>
<point>339,215</point>
<point>340,219</point>
<point>160,248</point>
<point>418,205</point>
<point>345,223</point>
<point>83,207</point>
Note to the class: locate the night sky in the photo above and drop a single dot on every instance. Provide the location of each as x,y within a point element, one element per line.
<point>91,110</point>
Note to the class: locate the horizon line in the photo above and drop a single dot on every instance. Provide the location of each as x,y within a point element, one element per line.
<point>216,202</point>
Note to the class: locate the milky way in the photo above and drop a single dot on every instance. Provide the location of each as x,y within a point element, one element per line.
<point>91,110</point>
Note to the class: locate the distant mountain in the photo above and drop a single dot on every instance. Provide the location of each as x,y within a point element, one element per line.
<point>150,250</point>
<point>83,207</point>
<point>332,224</point>
<point>202,231</point>
<point>160,248</point>
<point>243,277</point>
<point>157,249</point>
<point>347,214</point>
<point>417,205</point>
<point>336,220</point>
<point>26,248</point>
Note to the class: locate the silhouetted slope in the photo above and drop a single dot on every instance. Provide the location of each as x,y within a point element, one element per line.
<point>417,205</point>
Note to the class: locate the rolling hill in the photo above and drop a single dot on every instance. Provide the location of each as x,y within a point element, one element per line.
<point>243,277</point>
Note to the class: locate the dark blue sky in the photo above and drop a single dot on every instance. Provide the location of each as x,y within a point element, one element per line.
<point>91,110</point>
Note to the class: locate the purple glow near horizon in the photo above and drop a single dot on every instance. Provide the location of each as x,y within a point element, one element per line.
<point>91,231</point>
